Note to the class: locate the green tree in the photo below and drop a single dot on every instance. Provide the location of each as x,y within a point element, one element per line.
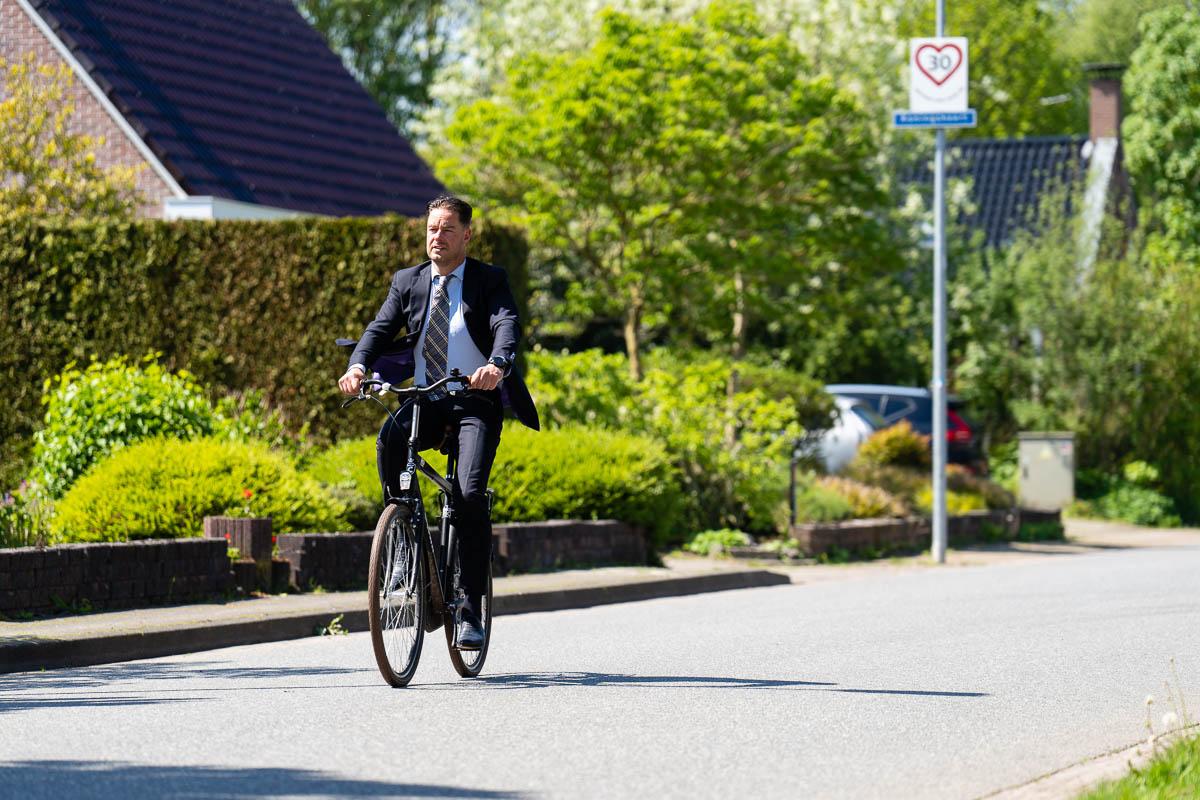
<point>1104,31</point>
<point>1022,83</point>
<point>394,47</point>
<point>45,169</point>
<point>671,157</point>
<point>1162,131</point>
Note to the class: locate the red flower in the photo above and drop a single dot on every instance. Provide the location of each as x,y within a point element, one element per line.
<point>246,493</point>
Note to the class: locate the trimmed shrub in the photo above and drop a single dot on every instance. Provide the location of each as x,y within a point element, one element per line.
<point>569,473</point>
<point>865,501</point>
<point>239,304</point>
<point>93,412</point>
<point>163,488</point>
<point>577,473</point>
<point>895,446</point>
<point>347,470</point>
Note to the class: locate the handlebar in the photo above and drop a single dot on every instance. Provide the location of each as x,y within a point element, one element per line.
<point>384,387</point>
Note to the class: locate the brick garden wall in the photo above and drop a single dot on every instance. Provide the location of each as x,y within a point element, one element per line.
<point>858,535</point>
<point>112,575</point>
<point>19,36</point>
<point>340,560</point>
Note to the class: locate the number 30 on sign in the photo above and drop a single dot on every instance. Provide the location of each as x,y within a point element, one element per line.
<point>938,74</point>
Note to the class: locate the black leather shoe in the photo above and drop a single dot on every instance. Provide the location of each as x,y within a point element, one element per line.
<point>469,634</point>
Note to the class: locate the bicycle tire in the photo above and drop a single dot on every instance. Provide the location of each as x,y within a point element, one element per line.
<point>397,633</point>
<point>469,663</point>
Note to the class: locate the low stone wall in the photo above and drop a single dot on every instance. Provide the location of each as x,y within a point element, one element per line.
<point>128,574</point>
<point>340,560</point>
<point>910,533</point>
<point>560,544</point>
<point>112,575</point>
<point>326,560</point>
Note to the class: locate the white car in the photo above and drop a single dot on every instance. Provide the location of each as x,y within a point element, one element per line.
<point>856,421</point>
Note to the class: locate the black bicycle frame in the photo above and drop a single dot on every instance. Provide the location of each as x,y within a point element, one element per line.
<point>410,493</point>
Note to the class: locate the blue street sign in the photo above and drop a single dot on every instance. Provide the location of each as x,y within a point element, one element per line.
<point>934,119</point>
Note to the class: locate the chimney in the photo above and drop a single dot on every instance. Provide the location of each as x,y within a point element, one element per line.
<point>1104,115</point>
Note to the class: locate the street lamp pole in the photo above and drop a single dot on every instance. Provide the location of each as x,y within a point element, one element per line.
<point>938,385</point>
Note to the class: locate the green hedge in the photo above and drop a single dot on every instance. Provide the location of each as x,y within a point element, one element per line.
<point>568,473</point>
<point>240,305</point>
<point>163,488</point>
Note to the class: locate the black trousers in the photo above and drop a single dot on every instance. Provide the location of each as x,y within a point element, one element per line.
<point>476,420</point>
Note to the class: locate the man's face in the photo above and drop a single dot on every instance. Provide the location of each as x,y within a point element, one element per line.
<point>446,237</point>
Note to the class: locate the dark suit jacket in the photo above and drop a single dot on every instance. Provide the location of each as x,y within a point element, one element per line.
<point>490,314</point>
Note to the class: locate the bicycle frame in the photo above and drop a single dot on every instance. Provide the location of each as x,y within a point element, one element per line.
<point>411,495</point>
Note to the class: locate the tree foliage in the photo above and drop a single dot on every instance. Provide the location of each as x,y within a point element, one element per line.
<point>46,170</point>
<point>1022,83</point>
<point>668,156</point>
<point>393,47</point>
<point>1104,31</point>
<point>1103,352</point>
<point>1162,131</point>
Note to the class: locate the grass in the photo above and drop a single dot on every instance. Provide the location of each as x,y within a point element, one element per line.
<point>1173,774</point>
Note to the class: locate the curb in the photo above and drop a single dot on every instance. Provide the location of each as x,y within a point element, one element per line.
<point>22,654</point>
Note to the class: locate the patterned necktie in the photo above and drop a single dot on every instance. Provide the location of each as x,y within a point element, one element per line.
<point>437,335</point>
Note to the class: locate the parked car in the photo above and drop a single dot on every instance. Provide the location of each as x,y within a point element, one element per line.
<point>856,421</point>
<point>895,403</point>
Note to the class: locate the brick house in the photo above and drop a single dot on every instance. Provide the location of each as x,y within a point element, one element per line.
<point>232,108</point>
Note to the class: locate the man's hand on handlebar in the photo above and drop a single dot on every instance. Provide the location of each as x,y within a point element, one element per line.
<point>487,377</point>
<point>352,380</point>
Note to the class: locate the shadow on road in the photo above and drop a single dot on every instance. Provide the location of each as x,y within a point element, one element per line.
<point>543,680</point>
<point>105,674</point>
<point>104,779</point>
<point>28,702</point>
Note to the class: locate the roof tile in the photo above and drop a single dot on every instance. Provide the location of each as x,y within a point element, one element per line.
<point>243,99</point>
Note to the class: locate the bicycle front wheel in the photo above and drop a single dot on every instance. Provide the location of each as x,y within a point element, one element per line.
<point>469,663</point>
<point>396,599</point>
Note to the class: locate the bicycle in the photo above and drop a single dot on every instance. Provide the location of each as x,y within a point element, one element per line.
<point>413,584</point>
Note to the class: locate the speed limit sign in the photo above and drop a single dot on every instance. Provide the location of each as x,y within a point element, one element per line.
<point>938,74</point>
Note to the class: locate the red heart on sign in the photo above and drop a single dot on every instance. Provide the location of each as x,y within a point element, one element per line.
<point>943,61</point>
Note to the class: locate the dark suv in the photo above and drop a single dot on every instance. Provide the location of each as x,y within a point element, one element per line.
<point>895,403</point>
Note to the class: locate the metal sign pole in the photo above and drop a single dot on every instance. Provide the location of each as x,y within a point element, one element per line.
<point>939,333</point>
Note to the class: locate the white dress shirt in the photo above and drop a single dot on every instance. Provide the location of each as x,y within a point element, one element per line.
<point>463,355</point>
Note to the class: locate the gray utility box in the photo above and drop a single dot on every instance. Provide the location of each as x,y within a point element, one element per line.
<point>1047,463</point>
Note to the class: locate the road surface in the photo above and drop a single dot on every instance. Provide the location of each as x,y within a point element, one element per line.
<point>949,682</point>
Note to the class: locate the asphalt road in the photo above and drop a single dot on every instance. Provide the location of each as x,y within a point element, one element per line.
<point>939,683</point>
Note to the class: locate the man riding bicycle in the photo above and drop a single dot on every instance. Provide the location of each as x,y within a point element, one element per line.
<point>452,312</point>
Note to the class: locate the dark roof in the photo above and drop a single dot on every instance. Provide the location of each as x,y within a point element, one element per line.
<point>243,99</point>
<point>1009,177</point>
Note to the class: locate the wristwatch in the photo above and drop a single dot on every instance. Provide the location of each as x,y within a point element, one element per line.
<point>500,361</point>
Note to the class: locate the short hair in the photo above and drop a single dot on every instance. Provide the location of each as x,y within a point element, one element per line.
<point>456,204</point>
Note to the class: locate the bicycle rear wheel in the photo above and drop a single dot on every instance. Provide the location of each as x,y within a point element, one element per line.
<point>469,663</point>
<point>396,598</point>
